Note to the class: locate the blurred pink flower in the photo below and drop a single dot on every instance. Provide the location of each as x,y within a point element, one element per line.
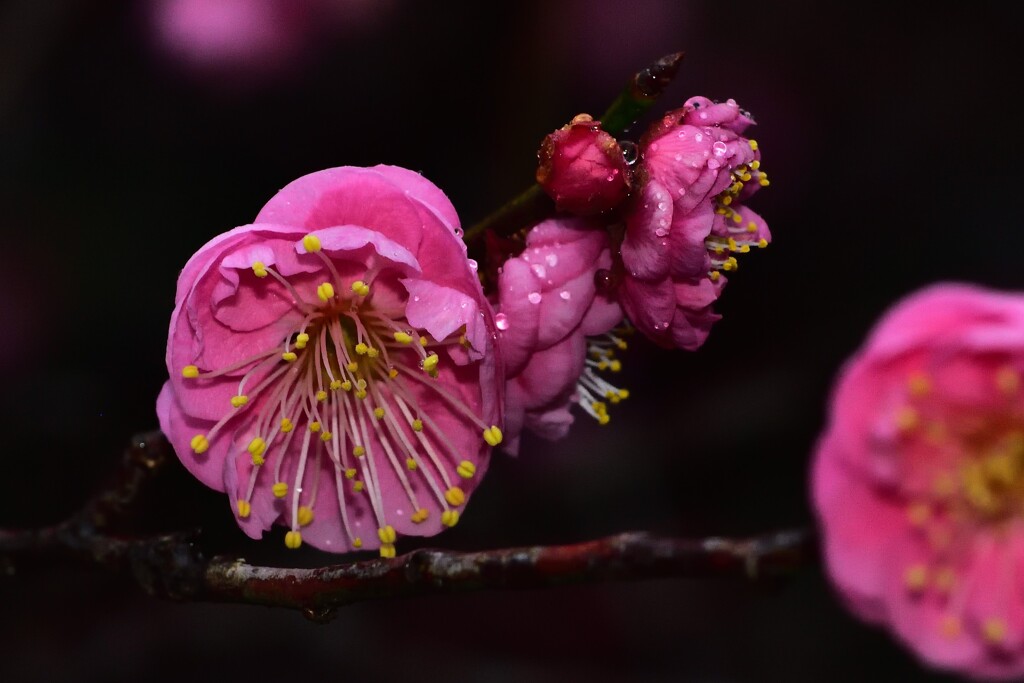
<point>686,221</point>
<point>333,366</point>
<point>919,479</point>
<point>551,315</point>
<point>582,168</point>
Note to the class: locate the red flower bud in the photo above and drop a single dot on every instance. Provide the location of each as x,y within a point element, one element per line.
<point>582,168</point>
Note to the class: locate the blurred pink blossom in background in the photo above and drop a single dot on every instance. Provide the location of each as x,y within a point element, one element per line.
<point>919,479</point>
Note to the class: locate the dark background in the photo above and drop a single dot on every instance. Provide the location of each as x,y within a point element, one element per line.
<point>890,137</point>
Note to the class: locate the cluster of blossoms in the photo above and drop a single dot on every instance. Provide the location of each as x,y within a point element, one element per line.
<point>919,479</point>
<point>337,368</point>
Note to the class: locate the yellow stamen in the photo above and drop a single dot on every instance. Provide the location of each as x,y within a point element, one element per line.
<point>450,518</point>
<point>321,395</point>
<point>239,401</point>
<point>419,516</point>
<point>257,446</point>
<point>430,362</point>
<point>335,384</point>
<point>243,507</point>
<point>994,630</point>
<point>455,496</point>
<point>289,356</point>
<point>357,542</point>
<point>280,489</point>
<point>916,577</point>
<point>301,340</point>
<point>359,451</point>
<point>362,348</point>
<point>325,436</point>
<point>259,269</point>
<point>293,539</point>
<point>360,288</point>
<point>350,473</point>
<point>199,443</point>
<point>311,243</point>
<point>305,516</point>
<point>314,427</point>
<point>378,413</point>
<point>358,487</point>
<point>410,464</point>
<point>417,425</point>
<point>386,534</point>
<point>286,425</point>
<point>403,338</point>
<point>466,469</point>
<point>190,371</point>
<point>387,550</point>
<point>492,435</point>
<point>325,292</point>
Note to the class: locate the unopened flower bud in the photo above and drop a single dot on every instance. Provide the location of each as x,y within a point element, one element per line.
<point>582,168</point>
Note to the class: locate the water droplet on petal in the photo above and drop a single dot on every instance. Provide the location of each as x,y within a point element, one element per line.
<point>565,295</point>
<point>713,164</point>
<point>654,147</point>
<point>538,270</point>
<point>720,148</point>
<point>682,191</point>
<point>661,232</point>
<point>552,259</point>
<point>473,265</point>
<point>533,297</point>
<point>629,152</point>
<point>698,137</point>
<point>501,321</point>
<point>703,114</point>
<point>415,298</point>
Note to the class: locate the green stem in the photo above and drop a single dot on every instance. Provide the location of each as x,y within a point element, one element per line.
<point>533,205</point>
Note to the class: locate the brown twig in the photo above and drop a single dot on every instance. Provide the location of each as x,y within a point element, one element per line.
<point>172,566</point>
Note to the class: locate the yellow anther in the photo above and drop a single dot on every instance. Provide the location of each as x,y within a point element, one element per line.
<point>466,469</point>
<point>372,352</point>
<point>360,383</point>
<point>352,366</point>
<point>726,200</point>
<point>378,413</point>
<point>325,292</point>
<point>387,551</point>
<point>350,473</point>
<point>311,243</point>
<point>423,341</point>
<point>736,218</point>
<point>1008,380</point>
<point>289,356</point>
<point>243,507</point>
<point>751,226</point>
<point>430,362</point>
<point>745,177</point>
<point>410,464</point>
<point>314,427</point>
<point>321,395</point>
<point>916,577</point>
<point>359,451</point>
<point>603,419</point>
<point>419,516</point>
<point>293,539</point>
<point>301,340</point>
<point>199,443</point>
<point>762,243</point>
<point>360,288</point>
<point>719,249</point>
<point>455,496</point>
<point>755,164</point>
<point>906,419</point>
<point>403,337</point>
<point>623,394</point>
<point>720,211</point>
<point>994,630</point>
<point>361,393</point>
<point>258,460</point>
<point>732,244</point>
<point>730,263</point>
<point>190,372</point>
<point>615,365</point>
<point>714,275</point>
<point>764,182</point>
<point>603,365</point>
<point>944,580</point>
<point>280,489</point>
<point>450,518</point>
<point>305,516</point>
<point>492,435</point>
<point>463,341</point>
<point>753,145</point>
<point>239,401</point>
<point>259,269</point>
<point>257,446</point>
<point>286,425</point>
<point>386,534</point>
<point>357,542</point>
<point>949,626</point>
<point>918,513</point>
<point>325,436</point>
<point>346,385</point>
<point>417,425</point>
<point>335,384</point>
<point>393,373</point>
<point>358,487</point>
<point>362,348</point>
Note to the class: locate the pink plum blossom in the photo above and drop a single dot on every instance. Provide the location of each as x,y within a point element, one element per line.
<point>918,480</point>
<point>551,318</point>
<point>582,168</point>
<point>333,366</point>
<point>686,221</point>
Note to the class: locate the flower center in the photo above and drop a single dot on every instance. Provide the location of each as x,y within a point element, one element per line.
<point>354,383</point>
